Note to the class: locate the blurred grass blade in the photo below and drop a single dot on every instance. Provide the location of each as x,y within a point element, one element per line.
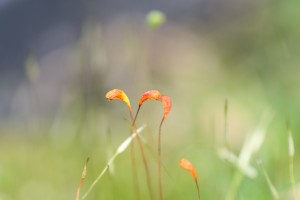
<point>272,188</point>
<point>291,144</point>
<point>32,69</point>
<point>226,123</point>
<point>252,145</point>
<point>254,142</point>
<point>291,150</point>
<point>83,175</point>
<point>229,156</point>
<point>122,147</point>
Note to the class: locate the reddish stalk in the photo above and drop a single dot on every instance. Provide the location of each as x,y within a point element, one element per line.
<point>134,170</point>
<point>120,95</point>
<point>159,162</point>
<point>117,94</point>
<point>196,181</point>
<point>166,101</point>
<point>142,153</point>
<point>151,94</point>
<point>136,114</point>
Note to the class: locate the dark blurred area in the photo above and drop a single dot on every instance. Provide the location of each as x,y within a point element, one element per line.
<point>42,27</point>
<point>33,26</point>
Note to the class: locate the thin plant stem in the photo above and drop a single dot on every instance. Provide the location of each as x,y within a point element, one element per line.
<point>273,190</point>
<point>142,153</point>
<point>198,190</point>
<point>134,171</point>
<point>133,163</point>
<point>159,162</point>
<point>136,114</point>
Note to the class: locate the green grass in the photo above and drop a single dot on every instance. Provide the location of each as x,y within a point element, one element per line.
<point>34,167</point>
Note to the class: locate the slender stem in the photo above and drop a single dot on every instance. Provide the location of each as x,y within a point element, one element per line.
<point>159,162</point>
<point>133,164</point>
<point>133,119</point>
<point>273,190</point>
<point>146,166</point>
<point>196,181</point>
<point>136,114</point>
<point>134,171</point>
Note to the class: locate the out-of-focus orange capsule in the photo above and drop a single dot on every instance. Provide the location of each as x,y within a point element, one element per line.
<point>117,94</point>
<point>187,165</point>
<point>167,104</point>
<point>151,94</point>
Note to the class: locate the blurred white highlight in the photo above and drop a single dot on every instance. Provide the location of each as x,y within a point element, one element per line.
<point>252,144</point>
<point>291,145</point>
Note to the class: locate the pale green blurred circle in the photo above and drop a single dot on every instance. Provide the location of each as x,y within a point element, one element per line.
<point>155,18</point>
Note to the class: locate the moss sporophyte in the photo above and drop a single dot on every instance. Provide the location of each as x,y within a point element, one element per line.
<point>118,94</point>
<point>187,165</point>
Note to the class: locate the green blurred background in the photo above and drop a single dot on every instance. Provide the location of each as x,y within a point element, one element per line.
<point>59,59</point>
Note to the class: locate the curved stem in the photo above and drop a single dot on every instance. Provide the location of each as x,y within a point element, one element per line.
<point>159,162</point>
<point>134,170</point>
<point>146,166</point>
<point>133,163</point>
<point>133,119</point>
<point>196,181</point>
<point>136,114</point>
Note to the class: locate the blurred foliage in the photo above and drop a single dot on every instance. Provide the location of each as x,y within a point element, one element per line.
<point>252,61</point>
<point>155,18</point>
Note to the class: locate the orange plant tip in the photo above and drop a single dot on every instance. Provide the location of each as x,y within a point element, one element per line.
<point>187,165</point>
<point>151,94</point>
<point>167,104</point>
<point>117,94</point>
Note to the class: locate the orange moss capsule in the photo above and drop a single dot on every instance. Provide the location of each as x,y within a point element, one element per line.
<point>167,104</point>
<point>187,165</point>
<point>151,94</point>
<point>117,94</point>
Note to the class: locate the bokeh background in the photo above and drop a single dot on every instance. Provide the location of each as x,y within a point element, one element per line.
<point>59,58</point>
